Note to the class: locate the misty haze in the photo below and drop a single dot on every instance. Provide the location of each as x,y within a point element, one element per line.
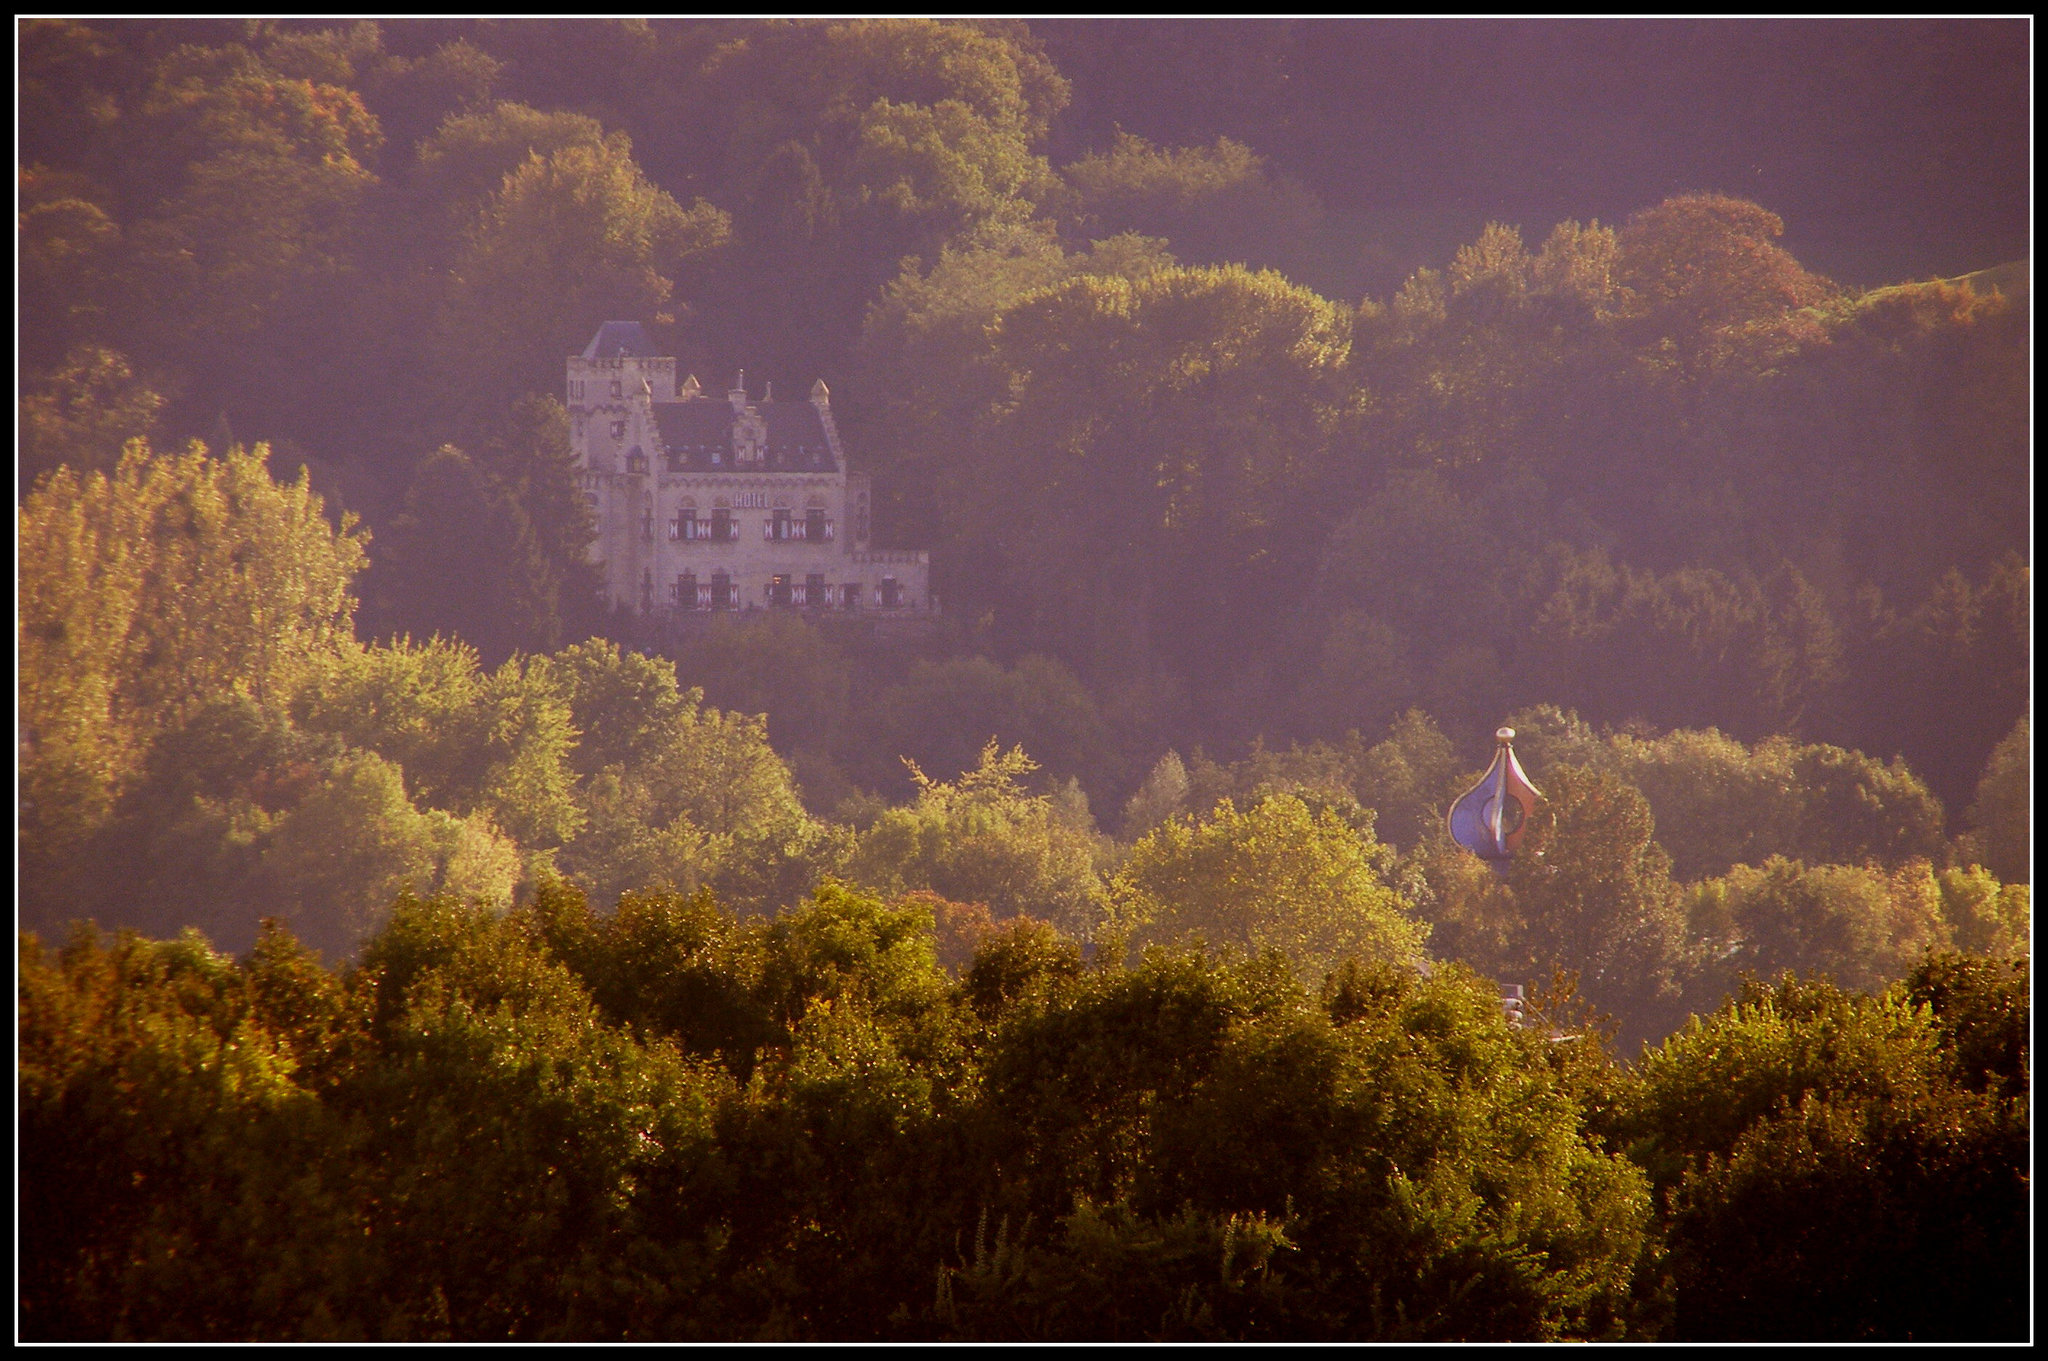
<point>1073,680</point>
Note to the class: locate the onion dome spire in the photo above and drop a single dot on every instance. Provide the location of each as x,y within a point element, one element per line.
<point>1489,818</point>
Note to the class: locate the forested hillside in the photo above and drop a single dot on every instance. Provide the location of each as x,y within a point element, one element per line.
<point>797,982</point>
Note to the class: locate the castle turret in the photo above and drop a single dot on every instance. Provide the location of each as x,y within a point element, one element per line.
<point>709,506</point>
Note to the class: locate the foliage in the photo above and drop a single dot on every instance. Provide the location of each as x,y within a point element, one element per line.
<point>1589,892</point>
<point>678,795</point>
<point>461,558</point>
<point>1141,484</point>
<point>1831,1176</point>
<point>1278,876</point>
<point>943,714</point>
<point>702,1127</point>
<point>2002,814</point>
<point>983,838</point>
<point>83,415</point>
<point>1741,551</point>
<point>573,234</point>
<point>1861,926</point>
<point>145,594</point>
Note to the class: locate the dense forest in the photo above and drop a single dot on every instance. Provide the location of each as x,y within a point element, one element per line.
<point>785,980</point>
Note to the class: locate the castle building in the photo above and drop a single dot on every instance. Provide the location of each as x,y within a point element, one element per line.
<point>710,504</point>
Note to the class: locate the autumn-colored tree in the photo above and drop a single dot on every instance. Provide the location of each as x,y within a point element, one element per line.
<point>1711,285</point>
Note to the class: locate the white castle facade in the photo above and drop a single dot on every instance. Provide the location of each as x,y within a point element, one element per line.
<point>721,504</point>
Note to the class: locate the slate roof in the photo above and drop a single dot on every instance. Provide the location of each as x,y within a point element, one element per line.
<point>692,429</point>
<point>620,340</point>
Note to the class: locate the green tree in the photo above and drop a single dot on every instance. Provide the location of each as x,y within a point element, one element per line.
<point>984,839</point>
<point>1183,1116</point>
<point>1277,876</point>
<point>569,236</point>
<point>492,1062</point>
<point>1830,1178</point>
<point>1720,803</point>
<point>1164,794</point>
<point>1139,495</point>
<point>466,159</point>
<point>146,594</point>
<point>845,146</point>
<point>1408,779</point>
<point>469,741</point>
<point>84,414</point>
<point>239,272</point>
<point>780,667</point>
<point>171,1147</point>
<point>1860,926</point>
<point>922,366</point>
<point>1984,916</point>
<point>462,558</point>
<point>70,257</point>
<point>530,457</point>
<point>1589,892</point>
<point>944,713</point>
<point>2001,818</point>
<point>679,795</point>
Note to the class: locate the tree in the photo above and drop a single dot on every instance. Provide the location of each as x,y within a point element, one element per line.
<point>845,146</point>
<point>1163,794</point>
<point>945,712</point>
<point>238,276</point>
<point>1710,286</point>
<point>1213,205</point>
<point>530,457</point>
<point>1276,876</point>
<point>466,159</point>
<point>1860,926</point>
<point>148,593</point>
<point>679,795</point>
<point>1589,892</point>
<point>1827,1174</point>
<point>570,237</point>
<point>778,666</point>
<point>69,258</point>
<point>1719,803</point>
<point>1407,780</point>
<point>1141,494</point>
<point>923,370</point>
<point>984,839</point>
<point>2001,817</point>
<point>461,558</point>
<point>84,414</point>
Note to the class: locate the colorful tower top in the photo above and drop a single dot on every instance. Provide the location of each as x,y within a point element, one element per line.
<point>1488,818</point>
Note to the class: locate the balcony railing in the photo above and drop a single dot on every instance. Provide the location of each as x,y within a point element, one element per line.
<point>799,531</point>
<point>703,531</point>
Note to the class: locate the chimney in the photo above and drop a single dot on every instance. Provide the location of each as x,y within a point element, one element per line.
<point>738,395</point>
<point>690,388</point>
